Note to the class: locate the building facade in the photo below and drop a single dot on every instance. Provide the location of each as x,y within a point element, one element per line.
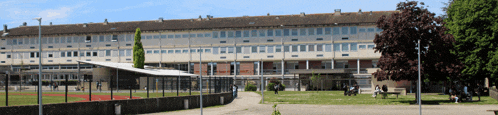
<point>232,46</point>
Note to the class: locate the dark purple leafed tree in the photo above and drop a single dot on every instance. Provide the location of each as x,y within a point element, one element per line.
<point>397,44</point>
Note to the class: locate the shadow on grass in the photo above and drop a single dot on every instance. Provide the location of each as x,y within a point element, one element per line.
<point>434,102</point>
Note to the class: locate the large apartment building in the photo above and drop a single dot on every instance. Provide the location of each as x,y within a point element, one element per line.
<point>231,46</point>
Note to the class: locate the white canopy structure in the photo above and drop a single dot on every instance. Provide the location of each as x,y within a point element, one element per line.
<point>129,67</point>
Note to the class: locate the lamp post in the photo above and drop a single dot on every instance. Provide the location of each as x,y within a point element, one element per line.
<point>418,92</point>
<point>200,73</point>
<point>40,108</point>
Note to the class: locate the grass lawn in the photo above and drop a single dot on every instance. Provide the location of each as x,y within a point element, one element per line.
<point>338,98</point>
<point>15,99</point>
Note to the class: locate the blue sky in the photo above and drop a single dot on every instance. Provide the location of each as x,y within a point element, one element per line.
<point>14,12</point>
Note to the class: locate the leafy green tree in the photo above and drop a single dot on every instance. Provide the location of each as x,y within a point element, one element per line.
<point>315,79</point>
<point>397,44</point>
<point>138,51</point>
<point>474,25</point>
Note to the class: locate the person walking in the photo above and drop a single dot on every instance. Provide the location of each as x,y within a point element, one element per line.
<point>345,88</point>
<point>478,91</point>
<point>234,91</point>
<point>275,87</point>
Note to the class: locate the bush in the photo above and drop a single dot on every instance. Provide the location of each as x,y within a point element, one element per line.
<point>250,87</point>
<point>270,87</point>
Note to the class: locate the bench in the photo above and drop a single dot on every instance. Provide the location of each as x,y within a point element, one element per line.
<point>495,111</point>
<point>384,94</point>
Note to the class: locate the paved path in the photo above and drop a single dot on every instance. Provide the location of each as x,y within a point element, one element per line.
<point>247,104</point>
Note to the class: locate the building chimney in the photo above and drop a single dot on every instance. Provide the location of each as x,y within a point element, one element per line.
<point>268,14</point>
<point>337,12</point>
<point>359,12</point>
<point>50,23</point>
<point>208,17</point>
<point>85,24</point>
<point>161,19</point>
<point>105,22</point>
<point>302,14</point>
<point>24,24</point>
<point>5,28</point>
<point>370,12</point>
<point>200,18</point>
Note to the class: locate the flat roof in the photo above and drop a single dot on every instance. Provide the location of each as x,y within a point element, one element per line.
<point>129,67</point>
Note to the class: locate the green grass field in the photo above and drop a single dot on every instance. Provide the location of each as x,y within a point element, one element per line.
<point>15,99</point>
<point>338,98</point>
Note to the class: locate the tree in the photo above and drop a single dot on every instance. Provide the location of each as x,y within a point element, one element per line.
<point>474,24</point>
<point>315,79</point>
<point>397,44</point>
<point>138,51</point>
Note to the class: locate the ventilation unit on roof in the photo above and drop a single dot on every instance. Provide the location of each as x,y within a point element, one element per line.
<point>302,14</point>
<point>268,14</point>
<point>105,22</point>
<point>161,19</point>
<point>277,17</point>
<point>50,23</point>
<point>337,12</point>
<point>24,24</point>
<point>208,17</point>
<point>359,12</point>
<point>85,24</point>
<point>200,18</point>
<point>370,12</point>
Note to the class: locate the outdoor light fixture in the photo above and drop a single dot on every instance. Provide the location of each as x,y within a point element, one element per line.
<point>40,108</point>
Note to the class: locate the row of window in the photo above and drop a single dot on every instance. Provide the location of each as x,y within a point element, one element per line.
<point>293,32</point>
<point>71,39</point>
<point>102,53</point>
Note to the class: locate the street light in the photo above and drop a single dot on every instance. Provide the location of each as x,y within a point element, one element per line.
<point>40,108</point>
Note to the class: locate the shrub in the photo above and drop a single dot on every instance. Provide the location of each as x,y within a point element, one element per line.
<point>275,110</point>
<point>250,87</point>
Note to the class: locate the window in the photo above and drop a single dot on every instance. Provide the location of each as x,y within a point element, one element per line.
<point>48,47</point>
<point>88,46</point>
<point>294,39</point>
<point>319,55</point>
<point>286,48</point>
<point>2,52</point>
<point>215,50</point>
<point>164,36</point>
<point>328,31</point>
<point>254,33</point>
<point>345,31</point>
<point>302,48</point>
<point>101,39</point>
<point>269,56</point>
<point>4,48</point>
<point>328,47</point>
<point>261,49</point>
<point>270,49</point>
<point>370,29</point>
<point>294,32</point>
<point>75,54</point>
<point>199,35</point>
<point>261,33</point>
<point>254,49</point>
<point>223,50</point>
<point>9,56</point>
<point>311,48</point>
<point>156,36</point>
<point>238,34</point>
<point>184,35</point>
<point>337,47</point>
<point>2,61</point>
<point>311,31</point>
<point>230,34</point>
<point>246,33</point>
<point>319,47</point>
<point>115,38</point>
<point>362,30</point>
<point>286,32</point>
<point>148,52</point>
<point>362,47</point>
<point>128,44</point>
<point>244,57</point>
<point>354,47</point>
<point>164,51</point>
<point>50,55</point>
<point>379,30</point>
<point>63,54</point>
<point>269,40</point>
<point>155,52</point>
<point>88,54</point>
<point>294,48</point>
<point>107,59</point>
<point>278,48</point>
<point>345,47</point>
<point>192,35</point>
<point>128,59</point>
<point>335,31</point>
<point>215,34</point>
<point>171,36</point>
<point>184,51</point>
<point>269,32</point>
<point>238,49</point>
<point>88,39</point>
<point>345,54</point>
<point>223,57</point>
<point>345,38</point>
<point>371,46</point>
<point>209,50</point>
<point>302,32</point>
<point>294,55</point>
<point>69,46</point>
<point>223,41</point>
<point>108,45</point>
<point>68,54</point>
<point>319,31</point>
<point>352,30</point>
<point>146,37</point>
<point>14,42</point>
<point>207,35</point>
<point>171,51</point>
<point>278,32</point>
<point>176,51</point>
<point>230,49</point>
<point>223,34</point>
<point>319,39</point>
<point>108,52</point>
<point>94,54</point>
<point>178,36</point>
<point>82,54</point>
<point>246,41</point>
<point>69,60</point>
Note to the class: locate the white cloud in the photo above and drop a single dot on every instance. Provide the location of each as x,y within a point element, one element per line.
<point>52,14</point>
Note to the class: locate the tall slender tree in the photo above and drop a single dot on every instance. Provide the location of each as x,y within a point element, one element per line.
<point>397,44</point>
<point>138,51</point>
<point>474,24</point>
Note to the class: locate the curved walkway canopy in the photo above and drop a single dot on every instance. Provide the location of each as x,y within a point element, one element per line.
<point>129,67</point>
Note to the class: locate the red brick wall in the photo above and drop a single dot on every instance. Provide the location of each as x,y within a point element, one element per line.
<point>267,65</point>
<point>204,68</point>
<point>365,63</point>
<point>246,68</point>
<point>352,63</point>
<point>222,70</point>
<point>302,64</point>
<point>314,65</point>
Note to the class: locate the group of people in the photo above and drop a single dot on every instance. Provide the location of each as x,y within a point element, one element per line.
<point>458,92</point>
<point>348,90</point>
